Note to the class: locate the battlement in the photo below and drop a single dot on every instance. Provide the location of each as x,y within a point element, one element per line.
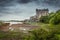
<point>42,10</point>
<point>39,14</point>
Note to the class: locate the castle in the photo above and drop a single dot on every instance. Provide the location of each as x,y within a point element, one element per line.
<point>39,13</point>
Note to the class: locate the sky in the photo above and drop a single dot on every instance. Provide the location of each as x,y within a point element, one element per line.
<point>24,9</point>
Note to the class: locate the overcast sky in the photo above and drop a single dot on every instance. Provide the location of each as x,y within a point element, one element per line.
<point>23,9</point>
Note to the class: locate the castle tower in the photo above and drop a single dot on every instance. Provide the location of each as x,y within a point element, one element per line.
<point>41,12</point>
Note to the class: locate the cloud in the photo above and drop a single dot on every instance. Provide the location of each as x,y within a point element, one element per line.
<point>22,9</point>
<point>12,2</point>
<point>49,2</point>
<point>53,2</point>
<point>26,1</point>
<point>5,2</point>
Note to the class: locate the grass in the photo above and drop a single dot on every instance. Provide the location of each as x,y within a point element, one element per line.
<point>11,36</point>
<point>47,27</point>
<point>20,36</point>
<point>58,35</point>
<point>36,23</point>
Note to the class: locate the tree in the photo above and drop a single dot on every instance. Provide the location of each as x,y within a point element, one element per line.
<point>55,18</point>
<point>44,19</point>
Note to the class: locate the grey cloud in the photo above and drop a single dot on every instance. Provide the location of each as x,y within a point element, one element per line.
<point>53,2</point>
<point>5,2</point>
<point>49,2</point>
<point>21,9</point>
<point>26,1</point>
<point>11,2</point>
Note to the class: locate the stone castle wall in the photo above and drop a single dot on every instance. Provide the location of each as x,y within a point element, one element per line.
<point>41,12</point>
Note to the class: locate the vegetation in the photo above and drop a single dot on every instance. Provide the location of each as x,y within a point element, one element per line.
<point>11,36</point>
<point>44,19</point>
<point>49,29</point>
<point>53,18</point>
<point>1,23</point>
<point>46,31</point>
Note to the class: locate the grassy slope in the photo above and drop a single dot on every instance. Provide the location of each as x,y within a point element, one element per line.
<point>49,27</point>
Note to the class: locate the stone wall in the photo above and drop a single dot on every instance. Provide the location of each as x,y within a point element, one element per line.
<point>41,12</point>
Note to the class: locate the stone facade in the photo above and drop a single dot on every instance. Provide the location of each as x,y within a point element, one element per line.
<point>39,13</point>
<point>33,18</point>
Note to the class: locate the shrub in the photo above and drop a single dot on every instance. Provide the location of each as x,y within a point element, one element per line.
<point>44,19</point>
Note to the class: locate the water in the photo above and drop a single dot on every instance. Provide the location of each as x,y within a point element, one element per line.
<point>14,22</point>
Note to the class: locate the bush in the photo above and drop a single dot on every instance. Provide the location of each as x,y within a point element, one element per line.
<point>44,19</point>
<point>41,34</point>
<point>55,19</point>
